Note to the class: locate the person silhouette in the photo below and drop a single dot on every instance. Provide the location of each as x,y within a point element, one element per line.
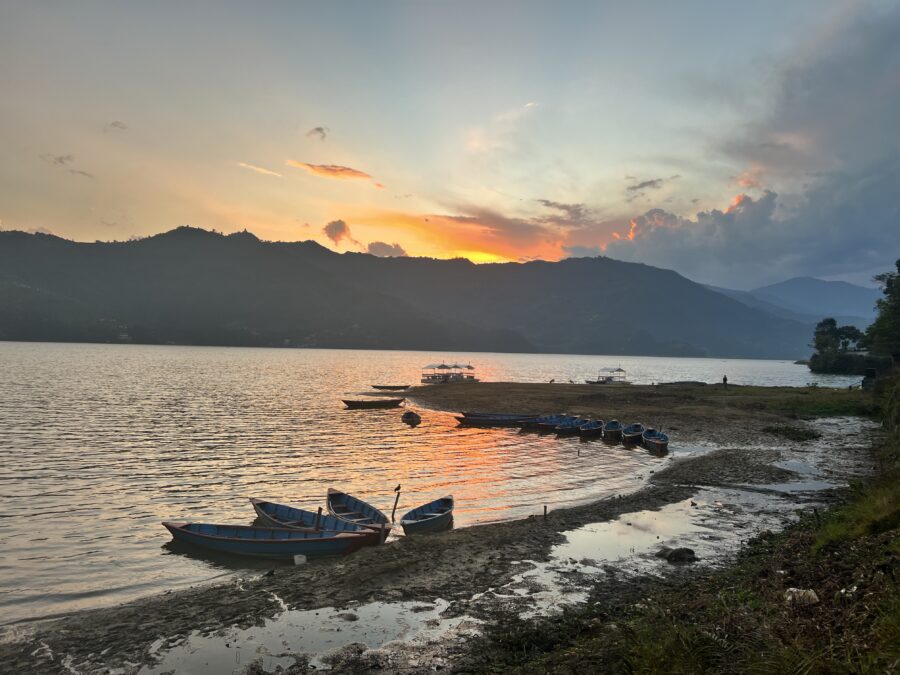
<point>725,381</point>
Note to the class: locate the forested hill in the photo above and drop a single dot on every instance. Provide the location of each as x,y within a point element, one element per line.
<point>190,286</point>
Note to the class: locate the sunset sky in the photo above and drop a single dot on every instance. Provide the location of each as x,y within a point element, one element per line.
<point>739,143</point>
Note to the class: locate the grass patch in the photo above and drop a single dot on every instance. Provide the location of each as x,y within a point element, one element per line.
<point>792,433</point>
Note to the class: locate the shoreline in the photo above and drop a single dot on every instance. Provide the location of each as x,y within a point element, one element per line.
<point>449,566</point>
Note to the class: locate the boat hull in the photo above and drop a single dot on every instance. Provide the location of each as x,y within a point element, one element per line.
<point>391,387</point>
<point>590,432</point>
<point>265,542</point>
<point>373,405</point>
<point>434,516</point>
<point>292,518</point>
<point>439,524</point>
<point>352,510</point>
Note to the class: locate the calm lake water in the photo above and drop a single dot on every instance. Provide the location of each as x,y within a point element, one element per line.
<point>99,443</point>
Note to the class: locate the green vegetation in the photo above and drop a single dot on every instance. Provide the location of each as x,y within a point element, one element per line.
<point>792,433</point>
<point>842,349</point>
<point>737,620</point>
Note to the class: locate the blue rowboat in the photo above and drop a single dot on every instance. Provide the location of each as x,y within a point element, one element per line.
<point>493,420</point>
<point>612,431</point>
<point>431,517</point>
<point>292,518</point>
<point>509,416</point>
<point>550,424</point>
<point>357,512</point>
<point>266,542</point>
<point>633,433</point>
<point>656,440</point>
<point>592,429</point>
<point>570,427</point>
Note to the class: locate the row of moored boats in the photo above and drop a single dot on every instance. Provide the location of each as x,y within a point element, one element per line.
<point>288,531</point>
<point>612,431</point>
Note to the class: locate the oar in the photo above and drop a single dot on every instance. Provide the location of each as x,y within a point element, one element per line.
<point>396,500</point>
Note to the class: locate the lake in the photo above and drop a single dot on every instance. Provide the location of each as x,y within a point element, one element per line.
<point>99,443</point>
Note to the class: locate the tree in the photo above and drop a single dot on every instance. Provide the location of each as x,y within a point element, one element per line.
<point>826,338</point>
<point>884,334</point>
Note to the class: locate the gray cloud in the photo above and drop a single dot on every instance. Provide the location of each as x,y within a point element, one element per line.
<point>115,125</point>
<point>318,132</point>
<point>337,231</point>
<point>383,250</point>
<point>574,213</point>
<point>582,251</point>
<point>65,162</point>
<point>654,184</point>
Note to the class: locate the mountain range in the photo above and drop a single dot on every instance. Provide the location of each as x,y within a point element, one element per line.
<point>192,286</point>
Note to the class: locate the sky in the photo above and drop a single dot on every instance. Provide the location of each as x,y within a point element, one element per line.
<point>739,143</point>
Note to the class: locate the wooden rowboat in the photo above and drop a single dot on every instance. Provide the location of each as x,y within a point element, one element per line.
<point>633,433</point>
<point>290,517</point>
<point>593,429</point>
<point>377,403</point>
<point>356,511</point>
<point>656,440</point>
<point>431,517</point>
<point>391,387</point>
<point>266,542</point>
<point>612,431</point>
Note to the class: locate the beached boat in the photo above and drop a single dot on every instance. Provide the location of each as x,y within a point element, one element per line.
<point>511,416</point>
<point>266,542</point>
<point>290,517</point>
<point>633,433</point>
<point>542,419</point>
<point>655,440</point>
<point>612,431</point>
<point>609,376</point>
<point>431,517</point>
<point>356,511</point>
<point>377,403</point>
<point>593,429</point>
<point>391,387</point>
<point>570,427</point>
<point>442,373</point>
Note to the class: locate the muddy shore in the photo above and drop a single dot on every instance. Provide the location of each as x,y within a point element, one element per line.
<point>454,566</point>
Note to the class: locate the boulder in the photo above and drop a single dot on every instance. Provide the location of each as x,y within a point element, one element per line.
<point>679,556</point>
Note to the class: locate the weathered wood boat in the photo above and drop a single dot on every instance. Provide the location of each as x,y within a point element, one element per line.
<point>292,518</point>
<point>391,387</point>
<point>633,433</point>
<point>266,542</point>
<point>571,427</point>
<point>377,403</point>
<point>542,419</point>
<point>593,429</point>
<point>431,517</point>
<point>349,508</point>
<point>655,440</point>
<point>612,431</point>
<point>510,416</point>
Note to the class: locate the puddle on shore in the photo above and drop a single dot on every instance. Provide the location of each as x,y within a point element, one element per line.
<point>297,634</point>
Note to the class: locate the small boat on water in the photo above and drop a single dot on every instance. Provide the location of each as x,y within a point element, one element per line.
<point>655,440</point>
<point>411,418</point>
<point>266,542</point>
<point>548,426</point>
<point>609,376</point>
<point>377,403</point>
<point>431,517</point>
<point>349,508</point>
<point>510,416</point>
<point>443,373</point>
<point>542,419</point>
<point>593,429</point>
<point>612,431</point>
<point>633,433</point>
<point>290,517</point>
<point>500,420</point>
<point>391,387</point>
<point>571,427</point>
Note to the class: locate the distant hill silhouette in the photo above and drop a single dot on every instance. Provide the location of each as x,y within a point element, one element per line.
<point>191,286</point>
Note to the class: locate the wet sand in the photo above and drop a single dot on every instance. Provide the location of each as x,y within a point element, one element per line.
<point>455,566</point>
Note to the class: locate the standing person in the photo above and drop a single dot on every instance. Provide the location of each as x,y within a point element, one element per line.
<point>725,381</point>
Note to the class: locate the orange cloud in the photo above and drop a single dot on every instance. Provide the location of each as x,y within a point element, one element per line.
<point>751,178</point>
<point>334,171</point>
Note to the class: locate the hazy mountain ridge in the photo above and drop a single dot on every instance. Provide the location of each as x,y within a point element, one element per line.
<point>197,287</point>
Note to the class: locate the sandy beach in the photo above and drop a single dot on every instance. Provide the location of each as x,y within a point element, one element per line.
<point>457,571</point>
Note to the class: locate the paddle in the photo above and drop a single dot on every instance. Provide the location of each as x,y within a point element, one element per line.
<point>396,500</point>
